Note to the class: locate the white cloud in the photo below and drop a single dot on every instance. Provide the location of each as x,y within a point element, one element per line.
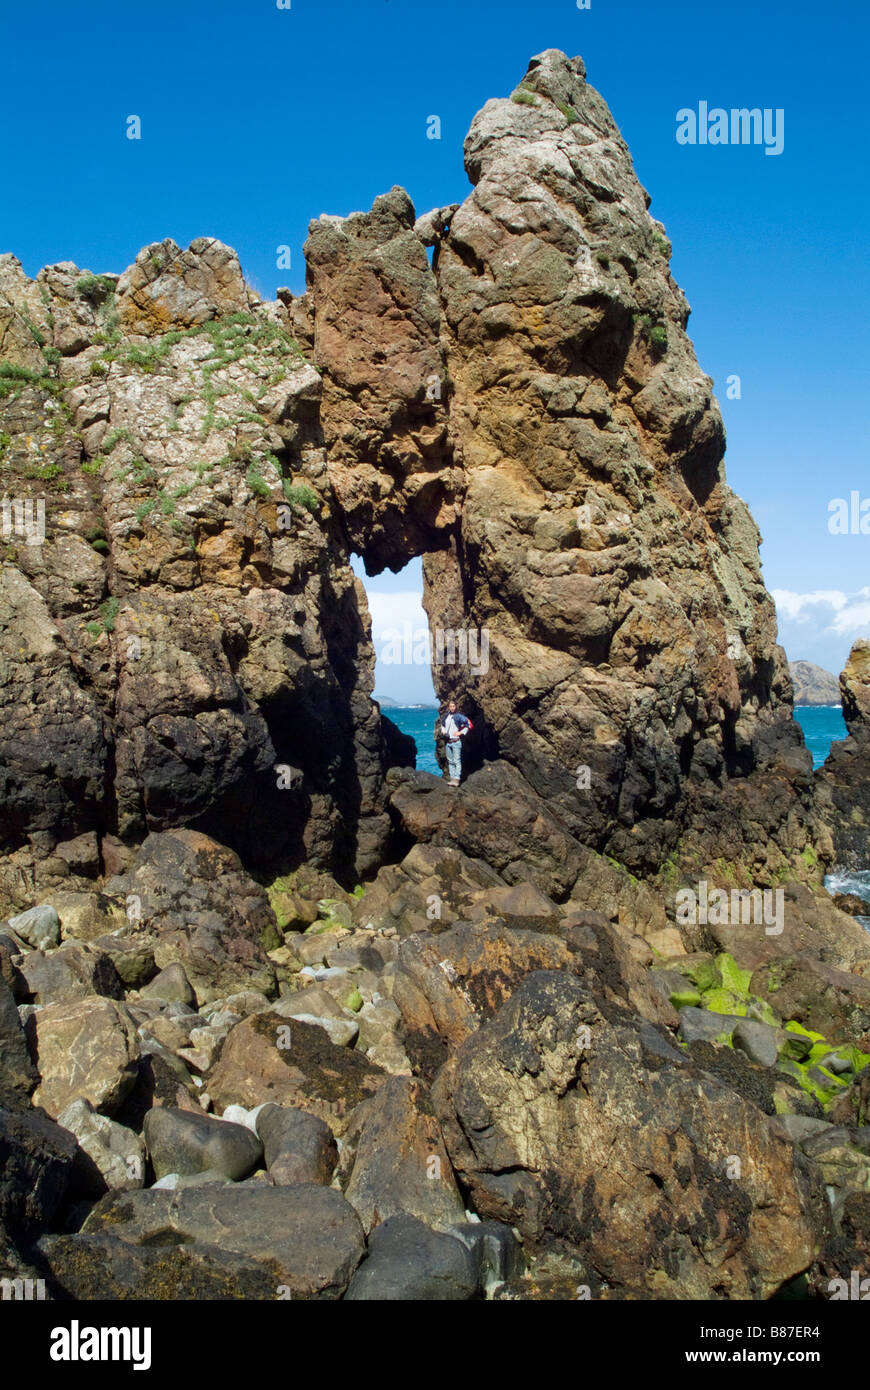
<point>394,611</point>
<point>830,611</point>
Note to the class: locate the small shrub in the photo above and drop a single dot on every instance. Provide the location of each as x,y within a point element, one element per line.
<point>658,338</point>
<point>95,288</point>
<point>569,113</point>
<point>44,471</point>
<point>256,482</point>
<point>108,614</point>
<point>524,98</point>
<point>302,496</point>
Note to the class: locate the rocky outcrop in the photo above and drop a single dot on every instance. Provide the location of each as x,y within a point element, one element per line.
<point>188,629</point>
<point>566,1122</point>
<point>813,685</point>
<point>844,780</point>
<point>526,412</point>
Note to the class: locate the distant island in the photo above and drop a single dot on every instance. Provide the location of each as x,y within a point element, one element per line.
<point>386,703</point>
<point>813,685</point>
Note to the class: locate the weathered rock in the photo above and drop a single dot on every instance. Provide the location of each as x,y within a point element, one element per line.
<point>497,818</point>
<point>432,889</point>
<point>36,1162</point>
<point>208,914</point>
<point>85,1049</point>
<point>179,1141</point>
<point>17,1072</point>
<point>407,1261</point>
<point>101,1268</point>
<point>171,985</point>
<point>810,925</point>
<point>132,956</point>
<point>308,1238</point>
<point>39,927</point>
<point>168,288</point>
<point>73,971</point>
<point>110,1157</point>
<point>612,1141</point>
<point>844,781</point>
<point>844,1264</point>
<point>399,1162</point>
<point>446,984</point>
<point>294,1064</point>
<point>823,999</point>
<point>298,1147</point>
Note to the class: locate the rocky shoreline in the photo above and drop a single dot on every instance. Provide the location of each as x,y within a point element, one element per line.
<point>281,1016</point>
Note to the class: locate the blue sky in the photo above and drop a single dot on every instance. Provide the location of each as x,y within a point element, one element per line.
<point>256,119</point>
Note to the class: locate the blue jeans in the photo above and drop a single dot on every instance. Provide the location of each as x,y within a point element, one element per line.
<point>454,758</point>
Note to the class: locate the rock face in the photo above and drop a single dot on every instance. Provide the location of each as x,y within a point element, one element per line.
<point>813,685</point>
<point>567,1121</point>
<point>526,412</point>
<point>190,630</point>
<point>844,781</point>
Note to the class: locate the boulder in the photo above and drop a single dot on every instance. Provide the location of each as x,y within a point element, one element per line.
<point>209,917</point>
<point>180,1141</point>
<point>36,1164</point>
<point>580,1122</point>
<point>407,1261</point>
<point>447,983</point>
<point>39,927</point>
<point>294,1064</point>
<point>308,1238</point>
<point>97,1268</point>
<point>110,1157</point>
<point>298,1147</point>
<point>394,1160</point>
<point>73,971</point>
<point>17,1072</point>
<point>84,1049</point>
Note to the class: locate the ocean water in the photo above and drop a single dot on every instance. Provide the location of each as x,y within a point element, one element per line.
<point>822,726</point>
<point>418,721</point>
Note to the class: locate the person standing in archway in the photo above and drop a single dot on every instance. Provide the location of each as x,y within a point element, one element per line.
<point>454,728</point>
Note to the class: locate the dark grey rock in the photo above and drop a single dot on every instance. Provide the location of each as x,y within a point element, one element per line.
<point>183,1142</point>
<point>758,1040</point>
<point>407,1261</point>
<point>298,1147</point>
<point>17,1072</point>
<point>699,1025</point>
<point>308,1237</point>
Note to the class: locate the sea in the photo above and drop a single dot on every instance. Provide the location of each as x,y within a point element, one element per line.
<point>418,721</point>
<point>822,725</point>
